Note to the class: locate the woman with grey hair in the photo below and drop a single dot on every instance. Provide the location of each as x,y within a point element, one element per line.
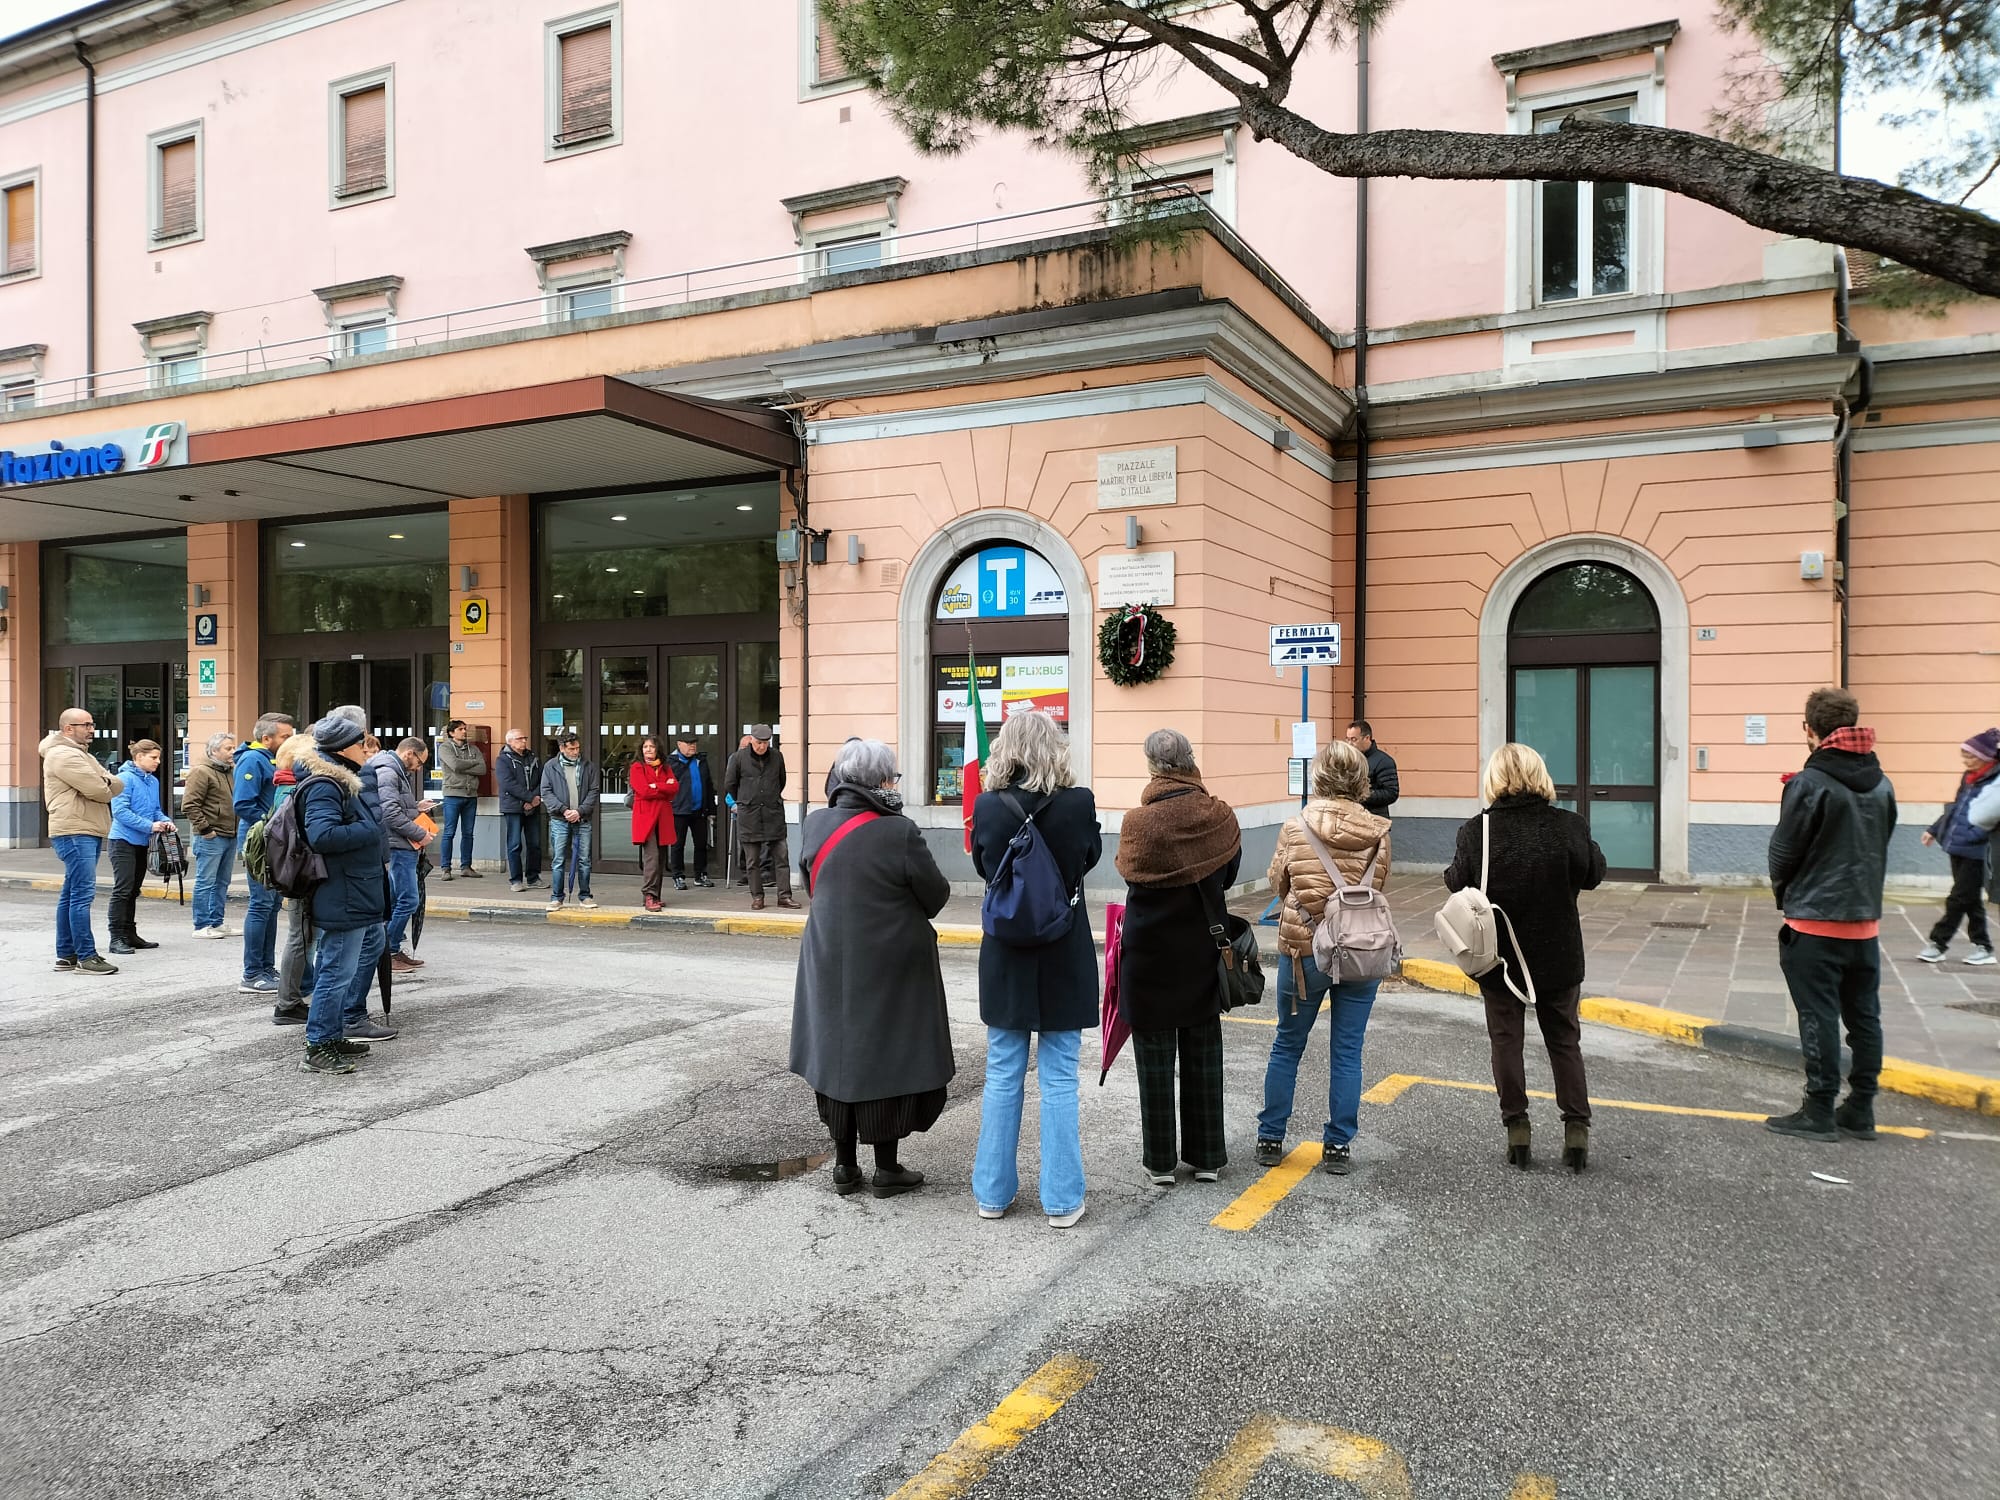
<point>1047,991</point>
<point>1178,851</point>
<point>869,1029</point>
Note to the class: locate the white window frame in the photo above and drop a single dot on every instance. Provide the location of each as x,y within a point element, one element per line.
<point>156,143</point>
<point>1646,95</point>
<point>809,85</point>
<point>815,242</point>
<point>32,177</point>
<point>552,34</point>
<point>337,94</point>
<point>343,327</point>
<point>559,289</point>
<point>12,393</point>
<point>163,364</point>
<point>1220,163</point>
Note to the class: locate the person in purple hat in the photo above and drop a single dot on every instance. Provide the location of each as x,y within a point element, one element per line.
<point>1970,849</point>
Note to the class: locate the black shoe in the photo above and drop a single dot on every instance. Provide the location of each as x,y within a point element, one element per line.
<point>120,947</point>
<point>893,1180</point>
<point>370,1030</point>
<point>1269,1153</point>
<point>1576,1145</point>
<point>65,966</point>
<point>1336,1161</point>
<point>846,1179</point>
<point>346,1048</point>
<point>1804,1123</point>
<point>138,942</point>
<point>95,965</point>
<point>1855,1124</point>
<point>324,1060</point>
<point>704,882</point>
<point>289,1015</point>
<point>1520,1139</point>
<point>680,884</point>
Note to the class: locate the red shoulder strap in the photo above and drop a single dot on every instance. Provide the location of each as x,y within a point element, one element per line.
<point>837,835</point>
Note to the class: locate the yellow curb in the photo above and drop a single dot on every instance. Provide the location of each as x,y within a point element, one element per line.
<point>1942,1085</point>
<point>761,926</point>
<point>1433,975</point>
<point>1632,1015</point>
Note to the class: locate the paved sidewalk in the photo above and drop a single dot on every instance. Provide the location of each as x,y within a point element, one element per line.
<point>1709,952</point>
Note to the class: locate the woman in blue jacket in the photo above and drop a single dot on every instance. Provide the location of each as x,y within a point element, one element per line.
<point>1965,842</point>
<point>136,815</point>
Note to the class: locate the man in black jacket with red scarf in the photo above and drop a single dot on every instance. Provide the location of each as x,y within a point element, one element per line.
<point>1829,855</point>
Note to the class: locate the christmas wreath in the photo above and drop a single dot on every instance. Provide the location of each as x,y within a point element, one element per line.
<point>1135,645</point>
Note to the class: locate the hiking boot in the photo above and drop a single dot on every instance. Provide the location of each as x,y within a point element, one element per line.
<point>1806,1123</point>
<point>889,1181</point>
<point>324,1060</point>
<point>1336,1161</point>
<point>1933,954</point>
<point>1855,1122</point>
<point>370,1030</point>
<point>65,966</point>
<point>289,1015</point>
<point>1520,1143</point>
<point>121,947</point>
<point>1269,1153</point>
<point>1979,957</point>
<point>346,1048</point>
<point>1576,1144</point>
<point>95,965</point>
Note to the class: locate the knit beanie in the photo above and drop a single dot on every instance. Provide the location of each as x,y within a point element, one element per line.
<point>1984,745</point>
<point>334,733</point>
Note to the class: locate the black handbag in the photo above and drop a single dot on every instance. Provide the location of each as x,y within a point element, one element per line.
<point>1239,971</point>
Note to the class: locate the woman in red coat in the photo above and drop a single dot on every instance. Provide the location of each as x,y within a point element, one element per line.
<point>653,787</point>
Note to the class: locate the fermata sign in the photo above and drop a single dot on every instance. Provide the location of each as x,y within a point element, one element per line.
<point>1305,645</point>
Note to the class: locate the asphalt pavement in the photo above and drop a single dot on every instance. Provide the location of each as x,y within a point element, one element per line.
<point>570,1234</point>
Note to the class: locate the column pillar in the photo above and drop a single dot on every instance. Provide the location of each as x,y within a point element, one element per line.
<point>491,668</point>
<point>223,558</point>
<point>21,709</point>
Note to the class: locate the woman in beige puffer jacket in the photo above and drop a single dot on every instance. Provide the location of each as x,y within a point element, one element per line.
<point>1354,837</point>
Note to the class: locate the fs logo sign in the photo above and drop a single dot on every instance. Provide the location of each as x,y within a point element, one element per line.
<point>156,447</point>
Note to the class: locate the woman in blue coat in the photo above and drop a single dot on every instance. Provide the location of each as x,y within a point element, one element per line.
<point>1966,844</point>
<point>1047,992</point>
<point>136,815</point>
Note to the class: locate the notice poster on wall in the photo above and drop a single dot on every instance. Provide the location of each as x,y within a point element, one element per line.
<point>1028,683</point>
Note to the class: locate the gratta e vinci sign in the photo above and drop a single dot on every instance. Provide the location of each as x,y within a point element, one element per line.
<point>160,446</point>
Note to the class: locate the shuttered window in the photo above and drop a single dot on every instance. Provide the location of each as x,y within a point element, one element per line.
<point>827,66</point>
<point>18,225</point>
<point>364,141</point>
<point>585,101</point>
<point>178,211</point>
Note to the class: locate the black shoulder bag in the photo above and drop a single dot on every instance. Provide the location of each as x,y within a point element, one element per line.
<point>1239,972</point>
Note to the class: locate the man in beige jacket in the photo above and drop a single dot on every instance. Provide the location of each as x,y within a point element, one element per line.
<point>78,793</point>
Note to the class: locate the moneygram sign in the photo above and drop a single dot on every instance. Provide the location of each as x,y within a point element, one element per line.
<point>161,446</point>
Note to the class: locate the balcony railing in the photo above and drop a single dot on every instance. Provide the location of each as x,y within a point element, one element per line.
<point>437,332</point>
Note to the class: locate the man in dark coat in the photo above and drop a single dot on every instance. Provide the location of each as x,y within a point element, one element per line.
<point>754,783</point>
<point>1383,787</point>
<point>869,1027</point>
<point>694,805</point>
<point>517,771</point>
<point>1829,856</point>
<point>338,809</point>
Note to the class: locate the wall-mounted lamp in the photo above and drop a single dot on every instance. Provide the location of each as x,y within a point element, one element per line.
<point>1760,437</point>
<point>1131,531</point>
<point>468,579</point>
<point>3,596</point>
<point>200,593</point>
<point>854,551</point>
<point>817,553</point>
<point>1283,438</point>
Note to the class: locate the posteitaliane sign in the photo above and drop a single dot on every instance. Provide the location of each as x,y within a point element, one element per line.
<point>160,446</point>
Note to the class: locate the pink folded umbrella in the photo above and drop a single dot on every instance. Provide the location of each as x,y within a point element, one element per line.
<point>1112,1026</point>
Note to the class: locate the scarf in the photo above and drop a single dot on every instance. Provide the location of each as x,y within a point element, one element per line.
<point>1178,834</point>
<point>1979,773</point>
<point>1850,737</point>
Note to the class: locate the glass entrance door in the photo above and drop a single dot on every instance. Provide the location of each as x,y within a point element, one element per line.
<point>384,687</point>
<point>636,692</point>
<point>1598,729</point>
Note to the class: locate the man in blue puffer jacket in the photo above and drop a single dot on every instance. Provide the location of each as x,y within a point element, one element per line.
<point>340,811</point>
<point>136,815</point>
<point>1969,847</point>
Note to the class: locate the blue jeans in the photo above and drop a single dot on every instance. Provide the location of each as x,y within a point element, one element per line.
<point>1351,1004</point>
<point>345,965</point>
<point>214,863</point>
<point>78,853</point>
<point>402,894</point>
<point>524,845</point>
<point>459,813</point>
<point>561,836</point>
<point>260,922</point>
<point>995,1176</point>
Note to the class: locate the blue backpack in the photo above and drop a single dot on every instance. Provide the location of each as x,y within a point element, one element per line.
<point>1026,902</point>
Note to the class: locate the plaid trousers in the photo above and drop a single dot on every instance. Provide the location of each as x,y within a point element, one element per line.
<point>1200,1051</point>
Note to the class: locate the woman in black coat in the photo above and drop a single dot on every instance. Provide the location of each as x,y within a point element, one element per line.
<point>1540,856</point>
<point>869,1030</point>
<point>1178,851</point>
<point>1048,991</point>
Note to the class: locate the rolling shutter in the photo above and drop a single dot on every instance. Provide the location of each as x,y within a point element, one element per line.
<point>20,228</point>
<point>827,66</point>
<point>177,191</point>
<point>364,140</point>
<point>586,85</point>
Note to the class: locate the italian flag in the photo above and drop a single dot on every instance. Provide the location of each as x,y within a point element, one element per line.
<point>975,742</point>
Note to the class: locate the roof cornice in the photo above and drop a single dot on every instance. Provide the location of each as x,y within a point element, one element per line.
<point>107,31</point>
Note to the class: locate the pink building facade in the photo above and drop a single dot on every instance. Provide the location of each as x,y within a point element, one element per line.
<point>587,316</point>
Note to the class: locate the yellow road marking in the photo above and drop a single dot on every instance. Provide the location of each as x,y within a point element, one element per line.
<point>1392,1088</point>
<point>1265,1193</point>
<point>1376,1470</point>
<point>1028,1406</point>
<point>1533,1487</point>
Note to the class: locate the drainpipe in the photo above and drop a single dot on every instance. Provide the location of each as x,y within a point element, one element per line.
<point>1361,387</point>
<point>1843,472</point>
<point>89,220</point>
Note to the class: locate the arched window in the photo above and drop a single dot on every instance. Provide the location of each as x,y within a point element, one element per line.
<point>1000,629</point>
<point>1583,679</point>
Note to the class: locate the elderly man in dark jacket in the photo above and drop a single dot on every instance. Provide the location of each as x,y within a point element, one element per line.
<point>755,784</point>
<point>340,812</point>
<point>1829,855</point>
<point>694,805</point>
<point>396,774</point>
<point>869,1029</point>
<point>517,772</point>
<point>1383,787</point>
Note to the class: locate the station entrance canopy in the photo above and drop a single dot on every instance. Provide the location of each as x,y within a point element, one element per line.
<point>593,433</point>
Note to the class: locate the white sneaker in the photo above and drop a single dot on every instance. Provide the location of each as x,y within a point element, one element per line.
<point>1207,1176</point>
<point>1932,954</point>
<point>1980,956</point>
<point>556,905</point>
<point>210,932</point>
<point>587,904</point>
<point>515,885</point>
<point>991,1213</point>
<point>1064,1221</point>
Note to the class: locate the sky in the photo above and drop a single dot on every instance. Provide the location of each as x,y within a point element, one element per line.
<point>1871,149</point>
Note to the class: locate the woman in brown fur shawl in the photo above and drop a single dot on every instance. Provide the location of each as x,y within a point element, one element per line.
<point>1178,851</point>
